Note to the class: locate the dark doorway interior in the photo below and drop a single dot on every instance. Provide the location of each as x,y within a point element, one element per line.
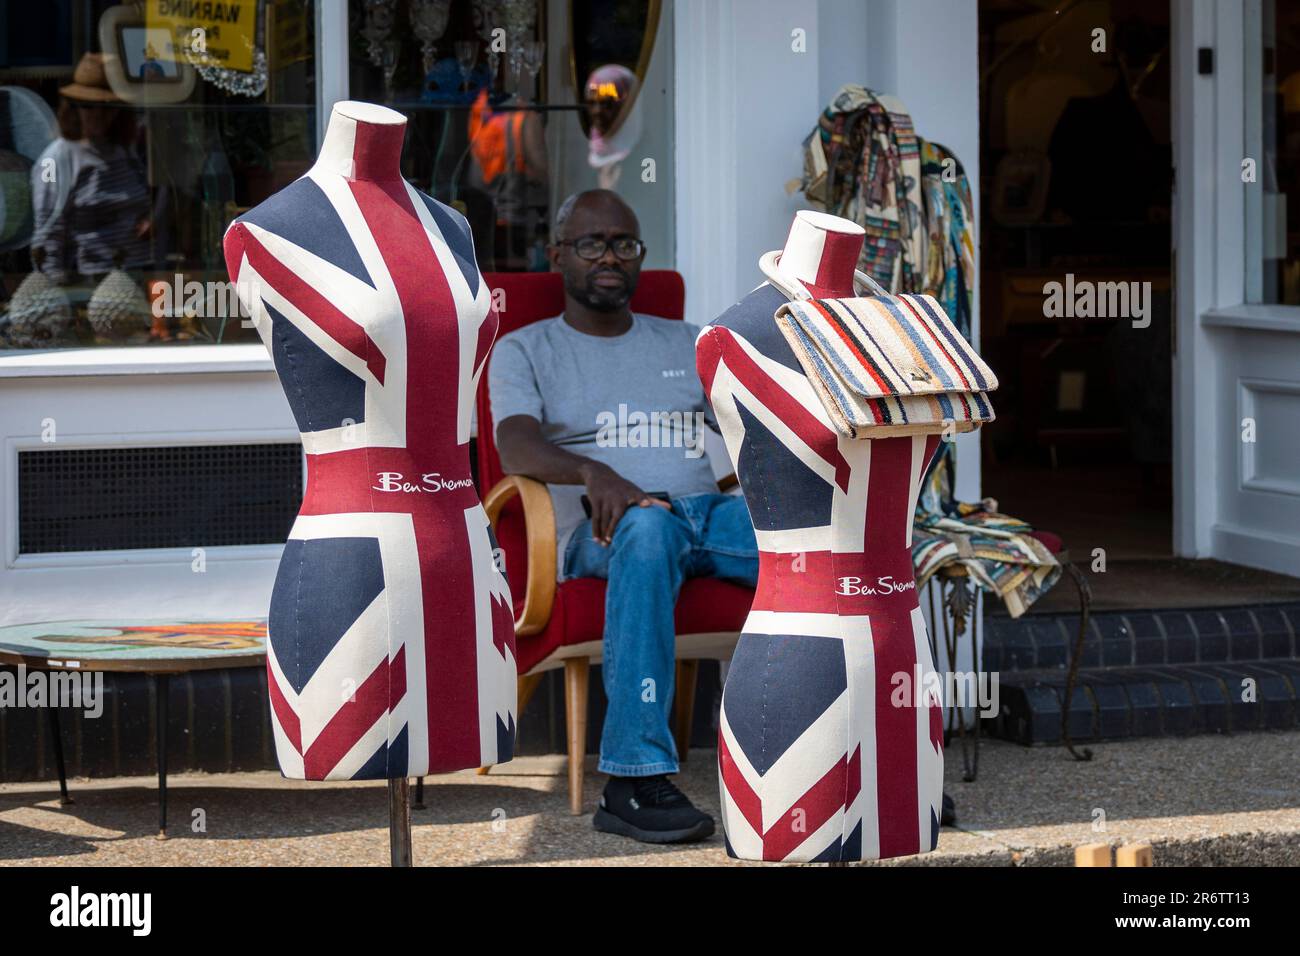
<point>1076,189</point>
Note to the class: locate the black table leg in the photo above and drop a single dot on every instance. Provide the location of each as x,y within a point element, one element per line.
<point>57,737</point>
<point>419,794</point>
<point>160,692</point>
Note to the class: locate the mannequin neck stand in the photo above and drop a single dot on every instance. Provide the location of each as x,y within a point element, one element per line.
<point>363,142</point>
<point>821,252</point>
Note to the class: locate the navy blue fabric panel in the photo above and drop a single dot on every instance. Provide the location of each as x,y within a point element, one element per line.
<point>456,231</point>
<point>386,762</point>
<point>812,677</point>
<point>829,855</point>
<point>853,844</point>
<point>322,393</point>
<point>751,317</point>
<point>321,588</point>
<point>302,214</point>
<point>934,830</point>
<point>376,768</point>
<point>766,466</point>
<point>399,758</point>
<point>505,740</point>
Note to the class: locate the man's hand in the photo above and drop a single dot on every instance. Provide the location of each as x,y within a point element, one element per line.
<point>524,451</point>
<point>611,494</point>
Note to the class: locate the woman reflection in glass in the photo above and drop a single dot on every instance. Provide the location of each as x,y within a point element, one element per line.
<point>90,196</point>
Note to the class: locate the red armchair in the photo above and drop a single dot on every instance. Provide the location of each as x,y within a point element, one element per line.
<point>561,624</point>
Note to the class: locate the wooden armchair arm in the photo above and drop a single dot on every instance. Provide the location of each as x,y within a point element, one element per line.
<point>727,482</point>
<point>539,531</point>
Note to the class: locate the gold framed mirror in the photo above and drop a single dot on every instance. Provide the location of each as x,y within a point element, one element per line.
<point>611,33</point>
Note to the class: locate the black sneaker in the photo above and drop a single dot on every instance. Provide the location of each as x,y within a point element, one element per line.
<point>948,815</point>
<point>652,810</point>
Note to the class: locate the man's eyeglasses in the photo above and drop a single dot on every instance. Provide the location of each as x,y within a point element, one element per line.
<point>592,248</point>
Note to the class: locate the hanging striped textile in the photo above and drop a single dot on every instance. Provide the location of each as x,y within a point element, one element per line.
<point>863,163</point>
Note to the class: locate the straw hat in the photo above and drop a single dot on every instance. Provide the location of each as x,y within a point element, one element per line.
<point>90,82</point>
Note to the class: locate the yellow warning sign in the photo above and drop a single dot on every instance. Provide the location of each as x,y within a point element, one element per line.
<point>213,32</point>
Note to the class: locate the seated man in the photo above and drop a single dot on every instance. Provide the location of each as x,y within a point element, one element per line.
<point>602,400</point>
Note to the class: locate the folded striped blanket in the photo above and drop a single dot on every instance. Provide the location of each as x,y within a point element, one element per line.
<point>997,551</point>
<point>889,364</point>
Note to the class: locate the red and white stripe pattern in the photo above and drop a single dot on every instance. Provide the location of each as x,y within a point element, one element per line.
<point>391,649</point>
<point>820,758</point>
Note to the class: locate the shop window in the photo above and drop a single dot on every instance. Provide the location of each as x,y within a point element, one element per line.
<point>130,135</point>
<point>514,104</point>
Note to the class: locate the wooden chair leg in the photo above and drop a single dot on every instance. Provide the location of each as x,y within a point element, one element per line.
<point>688,672</point>
<point>575,718</point>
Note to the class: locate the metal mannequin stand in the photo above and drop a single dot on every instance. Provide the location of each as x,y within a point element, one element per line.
<point>954,603</point>
<point>399,821</point>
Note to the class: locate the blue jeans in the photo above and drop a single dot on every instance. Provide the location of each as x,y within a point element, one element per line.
<point>653,551</point>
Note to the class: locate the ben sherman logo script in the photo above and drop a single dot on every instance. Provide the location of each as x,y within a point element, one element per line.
<point>395,481</point>
<point>854,587</point>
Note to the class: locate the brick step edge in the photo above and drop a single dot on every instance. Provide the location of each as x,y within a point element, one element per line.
<point>1122,703</point>
<point>1143,638</point>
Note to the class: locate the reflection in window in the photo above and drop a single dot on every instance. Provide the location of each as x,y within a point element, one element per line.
<point>514,104</point>
<point>129,138</point>
<point>132,133</point>
<point>470,77</point>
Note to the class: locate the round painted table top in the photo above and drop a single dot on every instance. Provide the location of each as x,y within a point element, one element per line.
<point>158,647</point>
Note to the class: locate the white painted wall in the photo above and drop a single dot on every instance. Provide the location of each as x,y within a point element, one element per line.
<point>744,102</point>
<point>127,405</point>
<point>845,54</point>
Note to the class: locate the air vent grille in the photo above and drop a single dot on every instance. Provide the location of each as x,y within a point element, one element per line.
<point>186,496</point>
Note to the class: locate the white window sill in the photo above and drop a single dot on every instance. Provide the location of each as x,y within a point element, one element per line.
<point>149,360</point>
<point>1261,318</point>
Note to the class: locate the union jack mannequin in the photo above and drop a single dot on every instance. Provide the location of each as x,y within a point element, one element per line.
<point>819,760</point>
<point>391,638</point>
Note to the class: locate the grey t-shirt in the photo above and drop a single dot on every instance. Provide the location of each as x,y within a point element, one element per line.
<point>633,401</point>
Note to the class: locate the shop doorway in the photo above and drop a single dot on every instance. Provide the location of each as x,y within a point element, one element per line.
<point>1075,233</point>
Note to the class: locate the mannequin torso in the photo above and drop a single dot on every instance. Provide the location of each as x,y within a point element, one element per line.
<point>817,762</point>
<point>391,648</point>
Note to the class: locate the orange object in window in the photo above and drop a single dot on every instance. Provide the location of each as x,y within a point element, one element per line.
<point>495,139</point>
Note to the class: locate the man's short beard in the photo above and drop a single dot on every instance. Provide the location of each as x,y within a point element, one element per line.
<point>598,299</point>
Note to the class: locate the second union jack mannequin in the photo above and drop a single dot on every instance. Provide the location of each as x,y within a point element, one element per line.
<point>823,754</point>
<point>391,640</point>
